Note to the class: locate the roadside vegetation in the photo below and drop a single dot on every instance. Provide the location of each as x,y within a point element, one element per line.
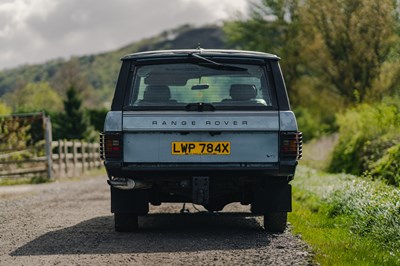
<point>341,61</point>
<point>346,220</point>
<point>369,142</point>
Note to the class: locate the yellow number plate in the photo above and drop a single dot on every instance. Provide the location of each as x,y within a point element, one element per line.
<point>200,148</point>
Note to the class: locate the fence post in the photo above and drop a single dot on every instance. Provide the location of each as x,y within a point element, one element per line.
<point>74,150</point>
<point>59,157</point>
<point>83,156</point>
<point>48,147</point>
<point>94,154</point>
<point>66,156</point>
<point>91,155</point>
<point>98,156</point>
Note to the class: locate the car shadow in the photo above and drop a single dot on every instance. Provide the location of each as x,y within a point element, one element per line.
<point>158,233</point>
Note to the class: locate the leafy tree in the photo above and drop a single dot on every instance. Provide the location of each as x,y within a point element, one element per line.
<point>69,75</point>
<point>277,26</point>
<point>272,26</point>
<point>34,97</point>
<point>345,47</point>
<point>355,40</point>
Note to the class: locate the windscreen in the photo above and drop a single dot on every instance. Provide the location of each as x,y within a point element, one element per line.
<point>183,85</point>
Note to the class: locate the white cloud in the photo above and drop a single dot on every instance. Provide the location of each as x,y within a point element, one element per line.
<point>33,31</point>
<point>223,9</point>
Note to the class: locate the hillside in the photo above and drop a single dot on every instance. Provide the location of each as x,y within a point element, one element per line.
<point>101,70</point>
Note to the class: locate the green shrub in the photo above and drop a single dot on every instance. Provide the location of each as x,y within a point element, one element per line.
<point>388,167</point>
<point>14,133</point>
<point>311,124</point>
<point>346,155</point>
<point>367,133</point>
<point>4,109</point>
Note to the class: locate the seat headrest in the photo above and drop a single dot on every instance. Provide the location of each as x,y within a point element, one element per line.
<point>243,92</point>
<point>157,93</point>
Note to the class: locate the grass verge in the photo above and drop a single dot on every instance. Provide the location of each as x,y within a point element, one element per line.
<point>9,181</point>
<point>345,220</point>
<point>6,181</point>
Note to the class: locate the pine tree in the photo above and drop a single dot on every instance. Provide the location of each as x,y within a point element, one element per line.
<point>74,123</point>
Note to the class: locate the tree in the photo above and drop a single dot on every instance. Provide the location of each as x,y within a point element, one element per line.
<point>34,97</point>
<point>97,117</point>
<point>72,124</point>
<point>273,26</point>
<point>71,75</point>
<point>356,38</point>
<point>341,49</point>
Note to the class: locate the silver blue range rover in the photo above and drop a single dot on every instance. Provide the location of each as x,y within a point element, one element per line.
<point>208,127</point>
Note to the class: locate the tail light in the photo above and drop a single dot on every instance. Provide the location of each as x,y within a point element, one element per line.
<point>110,146</point>
<point>291,145</point>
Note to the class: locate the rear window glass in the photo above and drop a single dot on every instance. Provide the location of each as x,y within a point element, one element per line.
<point>178,85</point>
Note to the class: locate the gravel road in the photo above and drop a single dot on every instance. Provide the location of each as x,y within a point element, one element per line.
<point>69,223</point>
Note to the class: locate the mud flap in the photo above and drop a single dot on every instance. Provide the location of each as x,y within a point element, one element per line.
<point>272,198</point>
<point>129,201</point>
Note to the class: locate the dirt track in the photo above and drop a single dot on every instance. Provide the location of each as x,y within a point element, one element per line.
<point>69,223</point>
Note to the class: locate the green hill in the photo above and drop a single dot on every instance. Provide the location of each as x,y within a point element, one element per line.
<point>101,70</point>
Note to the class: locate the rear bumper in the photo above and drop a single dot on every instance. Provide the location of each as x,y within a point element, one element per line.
<point>150,170</point>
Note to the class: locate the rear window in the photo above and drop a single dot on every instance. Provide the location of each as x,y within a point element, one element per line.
<point>177,86</point>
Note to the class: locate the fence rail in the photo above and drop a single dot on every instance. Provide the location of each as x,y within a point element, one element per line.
<point>74,157</point>
<point>65,158</point>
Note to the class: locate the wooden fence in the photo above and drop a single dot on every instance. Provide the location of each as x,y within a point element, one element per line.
<point>64,158</point>
<point>45,157</point>
<point>71,158</point>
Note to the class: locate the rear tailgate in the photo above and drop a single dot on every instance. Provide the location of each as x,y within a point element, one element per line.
<point>182,137</point>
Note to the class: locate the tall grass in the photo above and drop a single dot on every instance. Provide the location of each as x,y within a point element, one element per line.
<point>338,210</point>
<point>374,209</point>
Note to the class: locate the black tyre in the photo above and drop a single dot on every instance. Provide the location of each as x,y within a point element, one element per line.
<point>275,222</point>
<point>126,222</point>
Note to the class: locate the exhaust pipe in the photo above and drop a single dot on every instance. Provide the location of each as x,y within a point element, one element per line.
<point>127,184</point>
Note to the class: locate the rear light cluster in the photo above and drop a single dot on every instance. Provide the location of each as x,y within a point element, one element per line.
<point>291,145</point>
<point>110,146</point>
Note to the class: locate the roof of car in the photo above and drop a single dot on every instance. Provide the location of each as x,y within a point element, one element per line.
<point>199,51</point>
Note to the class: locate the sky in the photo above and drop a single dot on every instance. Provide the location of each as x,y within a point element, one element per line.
<point>35,31</point>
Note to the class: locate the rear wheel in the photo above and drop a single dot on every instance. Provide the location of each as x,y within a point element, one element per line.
<point>126,222</point>
<point>275,222</point>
